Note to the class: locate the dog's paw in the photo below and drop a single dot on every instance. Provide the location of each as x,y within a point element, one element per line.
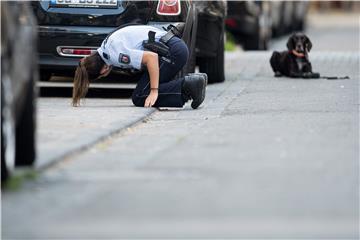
<point>277,74</point>
<point>315,75</point>
<point>311,75</point>
<point>306,75</point>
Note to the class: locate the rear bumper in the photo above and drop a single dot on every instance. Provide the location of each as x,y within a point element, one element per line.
<point>51,62</point>
<point>51,37</point>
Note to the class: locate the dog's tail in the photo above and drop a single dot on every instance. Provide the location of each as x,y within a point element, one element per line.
<point>275,61</point>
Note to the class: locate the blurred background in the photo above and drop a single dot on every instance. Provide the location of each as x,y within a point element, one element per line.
<point>254,25</point>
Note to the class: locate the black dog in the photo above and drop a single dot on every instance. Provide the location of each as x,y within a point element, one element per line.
<point>294,62</point>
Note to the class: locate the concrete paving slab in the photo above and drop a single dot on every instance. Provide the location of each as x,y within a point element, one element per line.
<point>63,129</point>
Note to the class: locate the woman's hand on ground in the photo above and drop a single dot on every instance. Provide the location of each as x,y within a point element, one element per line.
<point>151,99</point>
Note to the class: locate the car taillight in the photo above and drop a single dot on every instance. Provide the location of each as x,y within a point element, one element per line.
<point>168,7</point>
<point>75,52</point>
<point>231,23</point>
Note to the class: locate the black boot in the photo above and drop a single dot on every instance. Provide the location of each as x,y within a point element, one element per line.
<point>194,86</point>
<point>199,74</point>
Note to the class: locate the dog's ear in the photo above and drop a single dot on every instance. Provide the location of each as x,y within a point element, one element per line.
<point>290,44</point>
<point>308,44</point>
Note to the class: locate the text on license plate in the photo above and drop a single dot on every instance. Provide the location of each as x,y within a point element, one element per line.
<point>85,3</point>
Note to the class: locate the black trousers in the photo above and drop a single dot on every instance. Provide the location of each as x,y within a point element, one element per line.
<point>170,94</point>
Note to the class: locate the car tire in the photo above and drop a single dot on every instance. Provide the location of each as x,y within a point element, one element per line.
<point>4,167</point>
<point>4,170</point>
<point>45,75</point>
<point>300,26</point>
<point>7,129</point>
<point>189,37</point>
<point>23,148</point>
<point>25,132</point>
<point>191,63</point>
<point>214,66</point>
<point>256,42</point>
<point>252,42</point>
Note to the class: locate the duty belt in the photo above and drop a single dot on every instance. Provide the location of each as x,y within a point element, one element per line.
<point>161,47</point>
<point>158,47</point>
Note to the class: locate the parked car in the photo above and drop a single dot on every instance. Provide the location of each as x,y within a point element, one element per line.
<point>250,23</point>
<point>299,14</point>
<point>276,17</point>
<point>18,74</point>
<point>292,16</point>
<point>71,29</point>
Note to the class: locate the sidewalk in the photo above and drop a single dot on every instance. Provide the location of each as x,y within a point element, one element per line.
<point>263,158</point>
<point>63,130</point>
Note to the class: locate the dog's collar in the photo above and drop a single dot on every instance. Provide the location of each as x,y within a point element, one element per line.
<point>297,54</point>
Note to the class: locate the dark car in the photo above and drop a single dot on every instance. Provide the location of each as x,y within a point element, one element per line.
<point>18,74</point>
<point>288,16</point>
<point>71,29</point>
<point>254,23</point>
<point>210,38</point>
<point>300,11</point>
<point>249,22</point>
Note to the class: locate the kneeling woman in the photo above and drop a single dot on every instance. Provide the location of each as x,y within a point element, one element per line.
<point>157,86</point>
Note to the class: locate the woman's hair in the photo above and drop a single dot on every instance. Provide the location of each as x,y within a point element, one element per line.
<point>89,69</point>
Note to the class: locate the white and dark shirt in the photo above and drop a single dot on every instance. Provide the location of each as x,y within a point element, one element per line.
<point>124,49</point>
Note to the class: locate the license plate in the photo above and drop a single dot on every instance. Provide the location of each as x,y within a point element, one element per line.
<point>84,3</point>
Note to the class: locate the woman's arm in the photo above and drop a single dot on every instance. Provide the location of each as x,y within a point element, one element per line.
<point>151,61</point>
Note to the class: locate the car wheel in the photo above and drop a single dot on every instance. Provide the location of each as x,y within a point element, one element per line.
<point>45,75</point>
<point>7,136</point>
<point>17,142</point>
<point>25,132</point>
<point>252,42</point>
<point>300,25</point>
<point>191,64</point>
<point>189,37</point>
<point>214,66</point>
<point>4,170</point>
<point>260,39</point>
<point>256,42</point>
<point>7,129</point>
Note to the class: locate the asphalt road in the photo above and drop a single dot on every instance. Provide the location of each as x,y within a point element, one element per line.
<point>263,158</point>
